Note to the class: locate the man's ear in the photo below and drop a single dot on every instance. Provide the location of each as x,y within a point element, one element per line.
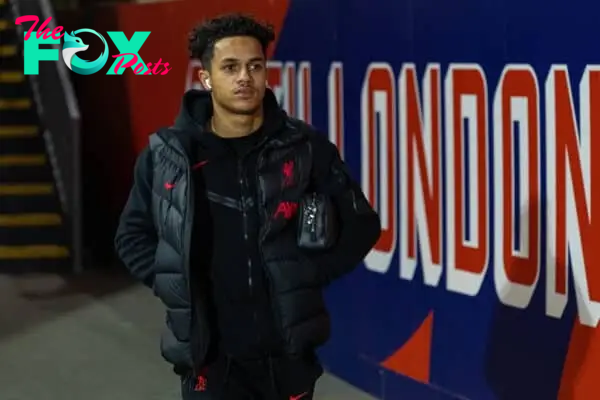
<point>205,79</point>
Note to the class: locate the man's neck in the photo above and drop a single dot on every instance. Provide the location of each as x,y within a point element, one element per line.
<point>229,125</point>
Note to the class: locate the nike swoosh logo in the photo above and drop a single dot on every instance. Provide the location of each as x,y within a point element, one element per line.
<point>298,397</point>
<point>200,164</point>
<point>169,185</point>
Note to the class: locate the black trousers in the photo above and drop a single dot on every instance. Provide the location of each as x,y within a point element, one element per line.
<point>260,379</point>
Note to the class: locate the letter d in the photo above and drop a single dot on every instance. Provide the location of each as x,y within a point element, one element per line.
<point>32,53</point>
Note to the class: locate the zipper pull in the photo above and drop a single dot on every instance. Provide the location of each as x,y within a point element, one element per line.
<point>311,218</point>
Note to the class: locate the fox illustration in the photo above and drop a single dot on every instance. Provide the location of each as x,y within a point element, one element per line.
<point>72,44</point>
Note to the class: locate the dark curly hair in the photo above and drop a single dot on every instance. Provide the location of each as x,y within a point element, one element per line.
<point>202,39</point>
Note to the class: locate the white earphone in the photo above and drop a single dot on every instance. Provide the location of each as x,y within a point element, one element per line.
<point>207,82</point>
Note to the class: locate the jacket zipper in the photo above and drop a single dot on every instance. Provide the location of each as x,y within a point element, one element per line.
<point>201,342</point>
<point>187,232</point>
<point>271,287</point>
<point>188,244</point>
<point>242,182</point>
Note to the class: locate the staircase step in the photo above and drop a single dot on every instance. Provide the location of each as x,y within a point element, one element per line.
<point>16,90</point>
<point>33,252</point>
<point>15,85</point>
<point>15,104</point>
<point>5,11</point>
<point>25,145</point>
<point>10,63</point>
<point>19,117</point>
<point>24,169</point>
<point>18,131</point>
<point>23,235</point>
<point>31,219</point>
<point>23,174</point>
<point>9,37</point>
<point>4,7</point>
<point>26,189</point>
<point>11,76</point>
<point>8,50</point>
<point>29,204</point>
<point>24,160</point>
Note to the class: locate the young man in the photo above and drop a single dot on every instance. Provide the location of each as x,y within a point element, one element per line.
<point>211,226</point>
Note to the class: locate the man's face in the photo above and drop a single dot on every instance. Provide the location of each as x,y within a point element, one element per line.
<point>238,75</point>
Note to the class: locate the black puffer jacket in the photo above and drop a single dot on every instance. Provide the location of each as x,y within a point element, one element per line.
<point>154,238</point>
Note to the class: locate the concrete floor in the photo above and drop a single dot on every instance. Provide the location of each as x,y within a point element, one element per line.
<point>95,338</point>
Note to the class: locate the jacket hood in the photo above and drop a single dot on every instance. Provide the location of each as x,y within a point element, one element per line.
<point>196,111</point>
